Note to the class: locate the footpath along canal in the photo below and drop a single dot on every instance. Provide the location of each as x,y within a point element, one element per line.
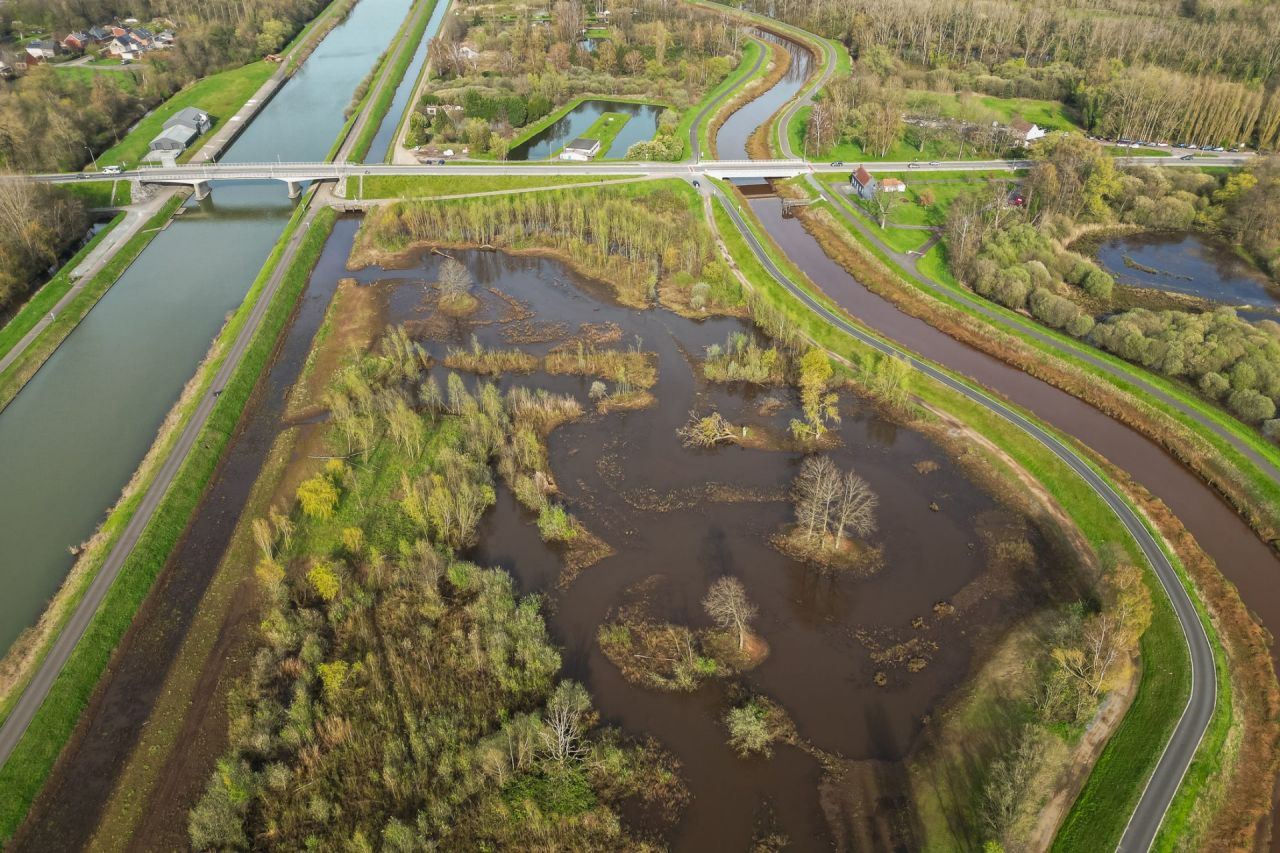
<point>75,434</point>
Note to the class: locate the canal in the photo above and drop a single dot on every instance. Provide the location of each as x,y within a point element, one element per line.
<point>72,438</point>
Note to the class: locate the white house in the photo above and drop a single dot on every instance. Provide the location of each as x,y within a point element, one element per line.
<point>1025,132</point>
<point>581,149</point>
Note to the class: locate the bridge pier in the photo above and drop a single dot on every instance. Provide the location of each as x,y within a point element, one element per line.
<point>202,190</point>
<point>295,188</point>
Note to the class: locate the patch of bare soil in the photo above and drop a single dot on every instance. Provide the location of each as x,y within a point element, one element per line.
<point>356,314</point>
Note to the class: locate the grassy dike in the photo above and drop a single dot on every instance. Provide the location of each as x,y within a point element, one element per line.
<point>386,91</point>
<point>20,372</point>
<point>1101,811</point>
<point>1260,503</point>
<point>27,768</point>
<point>739,78</point>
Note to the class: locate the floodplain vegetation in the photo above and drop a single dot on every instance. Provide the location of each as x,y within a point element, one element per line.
<point>382,649</point>
<point>645,240</point>
<point>1023,260</point>
<point>504,72</point>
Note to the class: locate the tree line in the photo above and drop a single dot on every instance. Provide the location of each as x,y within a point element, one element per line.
<point>1016,257</point>
<point>50,121</point>
<point>39,223</point>
<point>631,238</point>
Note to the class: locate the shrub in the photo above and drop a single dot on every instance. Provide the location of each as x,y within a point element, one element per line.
<point>1251,405</point>
<point>749,730</point>
<point>555,524</point>
<point>1098,284</point>
<point>1214,385</point>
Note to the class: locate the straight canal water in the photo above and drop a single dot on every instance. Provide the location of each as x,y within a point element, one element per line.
<point>71,439</point>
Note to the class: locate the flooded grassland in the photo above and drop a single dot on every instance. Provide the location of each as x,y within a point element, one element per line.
<point>851,667</point>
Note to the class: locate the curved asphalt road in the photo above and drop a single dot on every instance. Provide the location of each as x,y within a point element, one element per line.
<point>1181,747</point>
<point>715,105</point>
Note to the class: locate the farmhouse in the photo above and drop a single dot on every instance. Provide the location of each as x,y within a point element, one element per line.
<point>581,149</point>
<point>893,185</point>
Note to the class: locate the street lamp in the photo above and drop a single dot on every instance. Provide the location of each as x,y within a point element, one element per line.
<point>92,157</point>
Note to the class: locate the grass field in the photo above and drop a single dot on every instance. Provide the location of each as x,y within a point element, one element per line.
<point>125,81</point>
<point>102,193</point>
<point>220,95</point>
<point>606,129</point>
<point>427,186</point>
<point>18,373</point>
<point>23,774</point>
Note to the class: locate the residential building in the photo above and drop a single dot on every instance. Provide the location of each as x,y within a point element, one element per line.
<point>77,41</point>
<point>893,185</point>
<point>42,50</point>
<point>1024,132</point>
<point>581,149</point>
<point>862,182</point>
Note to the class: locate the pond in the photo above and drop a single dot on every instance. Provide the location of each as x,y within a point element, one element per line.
<point>678,518</point>
<point>1189,263</point>
<point>642,126</point>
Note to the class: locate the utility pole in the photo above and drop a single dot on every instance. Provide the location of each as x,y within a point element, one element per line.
<point>92,157</point>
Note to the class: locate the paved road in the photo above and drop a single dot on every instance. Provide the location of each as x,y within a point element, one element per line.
<point>1147,817</point>
<point>694,147</point>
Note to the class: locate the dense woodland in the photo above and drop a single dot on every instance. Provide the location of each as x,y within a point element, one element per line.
<point>49,120</point>
<point>510,69</point>
<point>1019,258</point>
<point>1164,70</point>
<point>38,223</point>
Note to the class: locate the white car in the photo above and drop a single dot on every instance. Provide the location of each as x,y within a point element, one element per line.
<point>111,170</point>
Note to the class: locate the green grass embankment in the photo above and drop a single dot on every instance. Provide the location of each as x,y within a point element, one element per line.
<point>1114,786</point>
<point>1263,492</point>
<point>386,93</point>
<point>220,95</point>
<point>102,193</point>
<point>31,761</point>
<point>738,78</point>
<point>26,365</point>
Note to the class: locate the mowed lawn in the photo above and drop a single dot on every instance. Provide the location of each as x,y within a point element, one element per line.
<point>220,95</point>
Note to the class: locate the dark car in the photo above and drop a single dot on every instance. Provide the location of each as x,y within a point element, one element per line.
<point>440,162</point>
<point>1187,157</point>
<point>696,184</point>
<point>837,162</point>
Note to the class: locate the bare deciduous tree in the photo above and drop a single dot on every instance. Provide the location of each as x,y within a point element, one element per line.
<point>829,504</point>
<point>855,507</point>
<point>455,280</point>
<point>727,604</point>
<point>562,737</point>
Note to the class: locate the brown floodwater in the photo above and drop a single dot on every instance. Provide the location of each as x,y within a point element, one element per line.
<point>629,479</point>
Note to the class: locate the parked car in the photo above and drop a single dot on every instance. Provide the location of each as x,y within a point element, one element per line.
<point>440,162</point>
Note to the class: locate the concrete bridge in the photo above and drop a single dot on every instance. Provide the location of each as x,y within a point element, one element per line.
<point>294,175</point>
